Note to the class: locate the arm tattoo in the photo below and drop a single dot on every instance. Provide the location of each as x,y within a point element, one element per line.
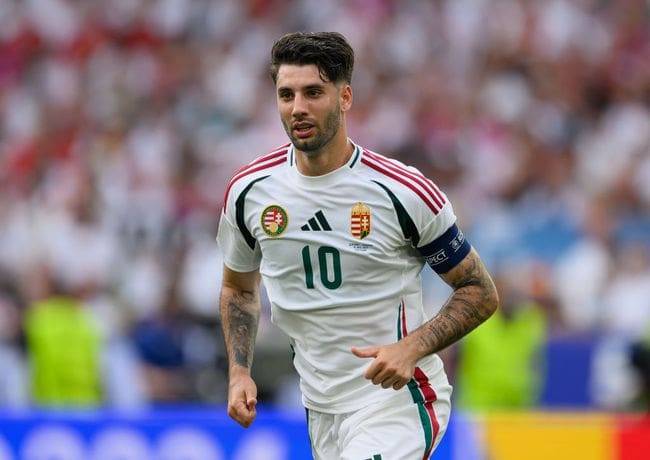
<point>240,318</point>
<point>473,301</point>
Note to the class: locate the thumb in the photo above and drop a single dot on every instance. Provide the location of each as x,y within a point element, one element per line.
<point>251,402</point>
<point>368,352</point>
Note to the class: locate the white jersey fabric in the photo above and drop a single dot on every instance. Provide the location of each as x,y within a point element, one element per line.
<point>338,257</point>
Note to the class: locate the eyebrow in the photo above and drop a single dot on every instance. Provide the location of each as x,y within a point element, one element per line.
<point>304,88</point>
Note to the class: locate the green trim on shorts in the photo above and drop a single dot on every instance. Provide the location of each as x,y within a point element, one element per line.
<point>416,394</point>
<point>427,427</point>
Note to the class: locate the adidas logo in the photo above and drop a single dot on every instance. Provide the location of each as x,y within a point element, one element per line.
<point>317,223</point>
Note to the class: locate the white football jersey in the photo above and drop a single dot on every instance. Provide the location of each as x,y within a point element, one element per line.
<point>340,256</point>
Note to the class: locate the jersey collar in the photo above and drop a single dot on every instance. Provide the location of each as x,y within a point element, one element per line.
<point>354,159</point>
<point>330,177</point>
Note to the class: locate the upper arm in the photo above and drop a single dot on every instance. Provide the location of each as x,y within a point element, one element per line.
<point>241,281</point>
<point>239,294</point>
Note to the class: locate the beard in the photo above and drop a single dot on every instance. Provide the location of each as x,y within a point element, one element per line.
<point>313,145</point>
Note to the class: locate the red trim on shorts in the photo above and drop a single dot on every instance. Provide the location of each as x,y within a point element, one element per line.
<point>430,397</point>
<point>426,390</point>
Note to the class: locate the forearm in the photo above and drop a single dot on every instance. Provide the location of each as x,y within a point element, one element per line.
<point>473,301</point>
<point>464,311</point>
<point>240,311</point>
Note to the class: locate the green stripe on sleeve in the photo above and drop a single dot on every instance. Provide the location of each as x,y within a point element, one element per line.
<point>239,213</point>
<point>409,229</point>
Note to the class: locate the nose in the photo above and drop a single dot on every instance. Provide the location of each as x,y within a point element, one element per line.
<point>299,106</point>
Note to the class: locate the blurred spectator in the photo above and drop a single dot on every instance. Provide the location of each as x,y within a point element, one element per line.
<point>625,322</point>
<point>14,381</point>
<point>640,359</point>
<point>626,298</point>
<point>180,352</point>
<point>501,364</point>
<point>65,346</point>
<point>583,271</point>
<point>159,341</point>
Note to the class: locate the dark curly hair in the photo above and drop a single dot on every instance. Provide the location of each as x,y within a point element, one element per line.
<point>329,51</point>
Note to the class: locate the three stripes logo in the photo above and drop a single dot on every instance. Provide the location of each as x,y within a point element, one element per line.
<point>317,223</point>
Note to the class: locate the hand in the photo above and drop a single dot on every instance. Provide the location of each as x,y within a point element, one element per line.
<point>392,366</point>
<point>242,397</point>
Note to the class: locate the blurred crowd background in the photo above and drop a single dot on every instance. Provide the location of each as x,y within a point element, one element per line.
<point>122,121</point>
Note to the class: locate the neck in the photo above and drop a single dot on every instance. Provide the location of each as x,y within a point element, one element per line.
<point>331,157</point>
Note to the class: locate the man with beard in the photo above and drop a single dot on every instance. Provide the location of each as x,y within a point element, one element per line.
<point>340,235</point>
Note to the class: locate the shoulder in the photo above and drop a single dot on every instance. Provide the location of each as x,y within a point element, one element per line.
<point>261,166</point>
<point>403,182</point>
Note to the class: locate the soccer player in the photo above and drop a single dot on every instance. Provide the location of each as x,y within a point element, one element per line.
<point>339,235</point>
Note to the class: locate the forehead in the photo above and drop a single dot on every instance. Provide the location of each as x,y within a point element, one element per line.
<point>296,76</point>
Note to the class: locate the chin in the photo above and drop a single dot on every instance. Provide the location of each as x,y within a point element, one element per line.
<point>306,147</point>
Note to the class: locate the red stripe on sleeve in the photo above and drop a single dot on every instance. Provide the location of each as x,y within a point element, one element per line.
<point>258,165</point>
<point>277,152</point>
<point>401,179</point>
<point>425,182</point>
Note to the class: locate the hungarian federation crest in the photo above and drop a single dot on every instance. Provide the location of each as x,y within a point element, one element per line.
<point>360,221</point>
<point>274,220</point>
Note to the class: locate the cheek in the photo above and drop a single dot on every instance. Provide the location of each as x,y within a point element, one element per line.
<point>285,112</point>
<point>282,111</point>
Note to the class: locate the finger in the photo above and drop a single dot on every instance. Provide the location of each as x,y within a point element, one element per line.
<point>250,417</point>
<point>238,409</point>
<point>390,379</point>
<point>373,371</point>
<point>252,411</point>
<point>394,382</point>
<point>243,414</point>
<point>246,421</point>
<point>386,377</point>
<point>380,378</point>
<point>369,352</point>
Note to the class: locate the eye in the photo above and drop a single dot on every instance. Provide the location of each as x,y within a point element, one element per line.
<point>285,95</point>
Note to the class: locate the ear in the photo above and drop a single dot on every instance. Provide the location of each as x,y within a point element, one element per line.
<point>346,97</point>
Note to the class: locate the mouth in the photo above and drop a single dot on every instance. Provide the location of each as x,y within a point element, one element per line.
<point>303,129</point>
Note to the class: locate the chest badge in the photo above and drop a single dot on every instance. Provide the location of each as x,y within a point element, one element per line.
<point>274,220</point>
<point>360,221</point>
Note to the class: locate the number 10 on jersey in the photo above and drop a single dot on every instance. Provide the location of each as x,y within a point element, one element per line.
<point>329,266</point>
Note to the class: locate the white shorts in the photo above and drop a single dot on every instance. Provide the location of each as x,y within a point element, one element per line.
<point>402,427</point>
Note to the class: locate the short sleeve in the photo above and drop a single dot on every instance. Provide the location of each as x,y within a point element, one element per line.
<point>446,246</point>
<point>237,254</point>
<point>431,226</point>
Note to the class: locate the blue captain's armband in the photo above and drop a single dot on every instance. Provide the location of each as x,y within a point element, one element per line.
<point>446,251</point>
